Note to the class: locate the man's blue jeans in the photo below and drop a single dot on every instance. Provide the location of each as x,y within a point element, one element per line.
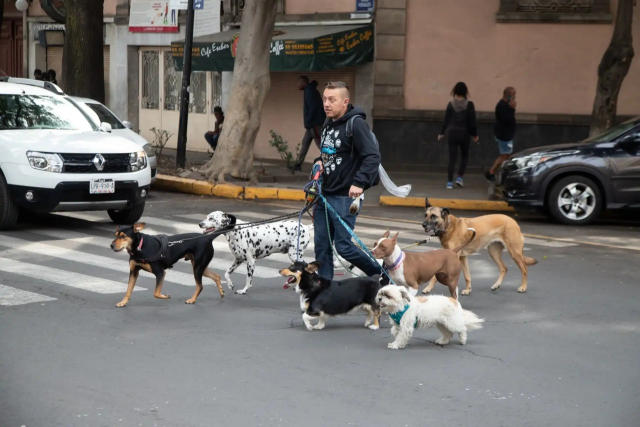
<point>340,236</point>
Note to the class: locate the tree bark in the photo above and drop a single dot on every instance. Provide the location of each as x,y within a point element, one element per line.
<point>612,70</point>
<point>83,55</point>
<point>249,87</point>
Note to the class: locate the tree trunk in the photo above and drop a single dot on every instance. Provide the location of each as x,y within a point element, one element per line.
<point>83,56</point>
<point>249,87</point>
<point>613,68</point>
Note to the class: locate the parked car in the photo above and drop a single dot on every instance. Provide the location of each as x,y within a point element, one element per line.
<point>99,113</point>
<point>575,182</point>
<point>54,158</point>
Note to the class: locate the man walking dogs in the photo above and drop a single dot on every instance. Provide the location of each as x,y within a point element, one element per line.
<point>504,129</point>
<point>350,166</point>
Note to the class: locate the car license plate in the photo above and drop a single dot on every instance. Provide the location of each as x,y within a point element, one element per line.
<point>102,186</point>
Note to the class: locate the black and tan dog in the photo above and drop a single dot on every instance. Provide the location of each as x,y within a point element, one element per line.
<point>494,232</point>
<point>157,253</point>
<point>322,298</point>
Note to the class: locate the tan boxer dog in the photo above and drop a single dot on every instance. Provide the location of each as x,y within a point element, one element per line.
<point>412,269</point>
<point>495,232</point>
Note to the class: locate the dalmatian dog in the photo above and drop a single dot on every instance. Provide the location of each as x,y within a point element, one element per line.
<point>251,243</point>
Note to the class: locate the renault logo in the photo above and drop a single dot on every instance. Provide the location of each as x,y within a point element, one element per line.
<point>99,161</point>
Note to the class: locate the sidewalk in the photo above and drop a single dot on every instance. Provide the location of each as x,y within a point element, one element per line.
<point>275,181</point>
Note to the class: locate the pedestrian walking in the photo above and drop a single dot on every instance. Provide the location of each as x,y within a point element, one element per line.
<point>213,136</point>
<point>459,127</point>
<point>349,166</point>
<point>314,117</point>
<point>504,129</point>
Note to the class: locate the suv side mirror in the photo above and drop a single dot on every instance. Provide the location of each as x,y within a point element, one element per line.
<point>104,127</point>
<point>128,124</point>
<point>630,143</point>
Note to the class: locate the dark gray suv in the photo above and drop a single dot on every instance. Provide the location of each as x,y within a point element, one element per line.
<point>575,182</point>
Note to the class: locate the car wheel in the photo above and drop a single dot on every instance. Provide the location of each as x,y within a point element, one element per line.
<point>126,216</point>
<point>575,200</point>
<point>8,209</point>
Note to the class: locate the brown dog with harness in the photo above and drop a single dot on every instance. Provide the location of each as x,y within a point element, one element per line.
<point>494,232</point>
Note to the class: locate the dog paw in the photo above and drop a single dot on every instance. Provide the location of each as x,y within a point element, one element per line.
<point>162,296</point>
<point>241,292</point>
<point>393,346</point>
<point>466,292</point>
<point>122,303</point>
<point>373,327</point>
<point>426,291</point>
<point>522,289</point>
<point>442,341</point>
<point>190,301</point>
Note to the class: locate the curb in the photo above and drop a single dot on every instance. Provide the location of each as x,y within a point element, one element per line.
<point>231,191</point>
<point>461,204</point>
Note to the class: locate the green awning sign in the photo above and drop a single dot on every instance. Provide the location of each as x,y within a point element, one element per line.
<point>294,48</point>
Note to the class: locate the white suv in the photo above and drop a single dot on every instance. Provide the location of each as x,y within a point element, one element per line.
<point>53,158</point>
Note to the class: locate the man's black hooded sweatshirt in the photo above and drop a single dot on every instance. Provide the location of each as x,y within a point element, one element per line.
<point>348,161</point>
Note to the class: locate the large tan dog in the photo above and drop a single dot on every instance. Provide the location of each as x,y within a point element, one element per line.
<point>495,232</point>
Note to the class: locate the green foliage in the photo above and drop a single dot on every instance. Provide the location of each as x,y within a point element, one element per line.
<point>160,139</point>
<point>282,147</point>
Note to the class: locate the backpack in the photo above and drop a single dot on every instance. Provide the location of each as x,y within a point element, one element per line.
<point>376,179</point>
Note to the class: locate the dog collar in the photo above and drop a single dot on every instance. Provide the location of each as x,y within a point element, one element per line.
<point>140,244</point>
<point>397,316</point>
<point>396,264</point>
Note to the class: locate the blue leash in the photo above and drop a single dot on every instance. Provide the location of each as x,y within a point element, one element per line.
<point>361,245</point>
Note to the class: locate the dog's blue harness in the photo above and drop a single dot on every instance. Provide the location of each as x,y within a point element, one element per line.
<point>397,316</point>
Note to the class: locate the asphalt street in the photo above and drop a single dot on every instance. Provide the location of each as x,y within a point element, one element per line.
<point>566,353</point>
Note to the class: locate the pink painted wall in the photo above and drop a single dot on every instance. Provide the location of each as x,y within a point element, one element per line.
<point>319,6</point>
<point>283,111</point>
<point>553,66</point>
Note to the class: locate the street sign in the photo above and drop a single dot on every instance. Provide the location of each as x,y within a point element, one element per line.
<point>198,4</point>
<point>364,5</point>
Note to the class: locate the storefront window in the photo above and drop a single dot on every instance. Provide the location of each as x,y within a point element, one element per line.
<point>150,80</point>
<point>216,89</point>
<point>198,89</point>
<point>171,83</point>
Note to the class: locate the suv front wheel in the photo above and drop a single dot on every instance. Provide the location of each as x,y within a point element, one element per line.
<point>126,216</point>
<point>575,200</point>
<point>8,209</point>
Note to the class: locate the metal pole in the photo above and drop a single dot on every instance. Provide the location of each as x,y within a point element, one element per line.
<point>186,82</point>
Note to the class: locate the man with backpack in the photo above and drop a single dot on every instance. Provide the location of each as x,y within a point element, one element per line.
<point>349,160</point>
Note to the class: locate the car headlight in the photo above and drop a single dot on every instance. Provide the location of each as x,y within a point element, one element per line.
<point>532,160</point>
<point>138,161</point>
<point>148,148</point>
<point>49,162</point>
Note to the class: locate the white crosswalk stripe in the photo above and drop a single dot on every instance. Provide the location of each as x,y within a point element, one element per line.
<point>13,296</point>
<point>63,277</point>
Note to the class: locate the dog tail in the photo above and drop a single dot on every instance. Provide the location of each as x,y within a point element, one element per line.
<point>471,320</point>
<point>473,236</point>
<point>530,261</point>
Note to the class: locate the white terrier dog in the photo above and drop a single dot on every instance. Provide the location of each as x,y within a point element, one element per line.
<point>407,313</point>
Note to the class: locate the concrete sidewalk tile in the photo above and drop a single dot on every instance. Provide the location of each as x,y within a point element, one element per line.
<point>251,193</point>
<point>204,188</point>
<point>228,191</point>
<point>462,204</point>
<point>291,194</point>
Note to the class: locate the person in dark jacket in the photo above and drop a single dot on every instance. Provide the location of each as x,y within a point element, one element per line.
<point>314,117</point>
<point>349,166</point>
<point>459,127</point>
<point>213,136</point>
<point>504,129</point>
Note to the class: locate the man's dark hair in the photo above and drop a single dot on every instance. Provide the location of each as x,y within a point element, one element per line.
<point>338,85</point>
<point>508,91</point>
<point>218,109</point>
<point>304,79</point>
<point>460,89</point>
<point>37,73</point>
